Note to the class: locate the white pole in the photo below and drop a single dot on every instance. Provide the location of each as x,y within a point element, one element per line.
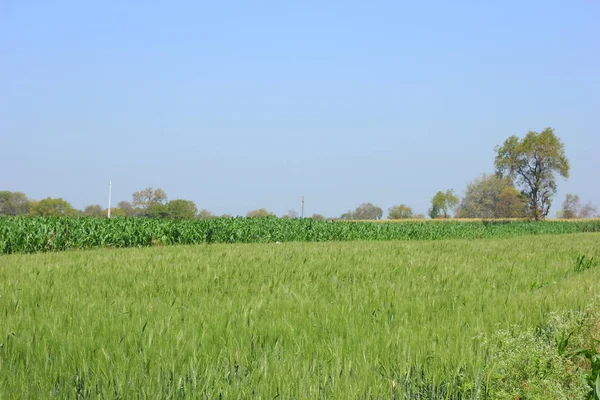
<point>302,215</point>
<point>109,196</point>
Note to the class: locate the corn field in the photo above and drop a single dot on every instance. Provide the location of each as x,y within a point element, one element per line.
<point>32,235</point>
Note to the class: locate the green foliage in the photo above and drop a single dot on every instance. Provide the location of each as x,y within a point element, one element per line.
<point>144,199</point>
<point>126,207</point>
<point>29,235</point>
<point>533,162</point>
<point>337,320</point>
<point>50,207</point>
<point>442,204</point>
<point>558,360</point>
<point>205,214</point>
<point>318,217</point>
<point>582,263</point>
<point>525,365</point>
<point>366,211</point>
<point>14,203</point>
<point>154,210</point>
<point>511,204</point>
<point>115,212</point>
<point>400,212</point>
<point>490,196</point>
<point>94,211</point>
<point>181,209</point>
<point>260,213</point>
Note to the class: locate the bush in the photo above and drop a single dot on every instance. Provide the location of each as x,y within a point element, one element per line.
<point>545,363</point>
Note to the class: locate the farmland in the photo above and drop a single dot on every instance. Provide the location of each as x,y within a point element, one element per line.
<point>367,319</point>
<point>30,235</point>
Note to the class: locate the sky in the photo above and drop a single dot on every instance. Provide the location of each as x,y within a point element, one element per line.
<point>244,105</point>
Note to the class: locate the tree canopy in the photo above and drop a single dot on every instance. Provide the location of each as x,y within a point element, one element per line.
<point>14,203</point>
<point>401,211</point>
<point>491,196</point>
<point>148,197</point>
<point>260,213</point>
<point>181,209</point>
<point>573,208</point>
<point>50,207</point>
<point>532,162</point>
<point>94,210</point>
<point>442,204</point>
<point>365,211</point>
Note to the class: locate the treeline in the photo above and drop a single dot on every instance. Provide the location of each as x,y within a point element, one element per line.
<point>523,186</point>
<point>487,197</point>
<point>147,203</point>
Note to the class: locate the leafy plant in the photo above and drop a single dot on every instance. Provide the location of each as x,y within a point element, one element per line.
<point>583,263</point>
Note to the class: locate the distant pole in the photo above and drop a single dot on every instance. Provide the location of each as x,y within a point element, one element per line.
<point>302,215</point>
<point>109,196</point>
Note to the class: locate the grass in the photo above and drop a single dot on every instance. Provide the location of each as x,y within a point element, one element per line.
<point>296,320</point>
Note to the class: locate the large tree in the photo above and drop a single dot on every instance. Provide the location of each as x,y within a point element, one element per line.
<point>491,196</point>
<point>511,204</point>
<point>14,203</point>
<point>126,208</point>
<point>442,204</point>
<point>366,211</point>
<point>205,214</point>
<point>532,162</point>
<point>260,213</point>
<point>94,210</point>
<point>148,197</point>
<point>400,212</point>
<point>572,208</point>
<point>181,209</point>
<point>52,208</point>
<point>317,217</point>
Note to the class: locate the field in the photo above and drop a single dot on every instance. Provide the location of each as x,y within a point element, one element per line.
<point>345,320</point>
<point>31,235</point>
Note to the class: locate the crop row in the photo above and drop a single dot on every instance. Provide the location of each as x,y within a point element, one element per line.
<point>31,235</point>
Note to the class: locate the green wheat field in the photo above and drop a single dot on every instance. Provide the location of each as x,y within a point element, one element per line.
<point>341,320</point>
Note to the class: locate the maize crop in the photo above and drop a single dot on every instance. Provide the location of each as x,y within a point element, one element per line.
<point>42,234</point>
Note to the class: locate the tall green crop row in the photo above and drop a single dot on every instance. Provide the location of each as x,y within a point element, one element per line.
<point>30,235</point>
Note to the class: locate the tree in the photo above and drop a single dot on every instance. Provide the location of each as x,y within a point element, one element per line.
<point>115,212</point>
<point>155,210</point>
<point>317,217</point>
<point>52,208</point>
<point>148,197</point>
<point>588,210</point>
<point>94,211</point>
<point>442,204</point>
<point>181,209</point>
<point>14,203</point>
<point>347,215</point>
<point>291,214</point>
<point>366,211</point>
<point>572,208</point>
<point>205,214</point>
<point>126,207</point>
<point>532,162</point>
<point>491,196</point>
<point>260,213</point>
<point>400,212</point>
<point>511,204</point>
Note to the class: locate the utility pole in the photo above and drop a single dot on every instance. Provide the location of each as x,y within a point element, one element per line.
<point>109,196</point>
<point>302,215</point>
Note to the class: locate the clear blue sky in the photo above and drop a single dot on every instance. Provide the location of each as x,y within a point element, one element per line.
<point>241,105</point>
